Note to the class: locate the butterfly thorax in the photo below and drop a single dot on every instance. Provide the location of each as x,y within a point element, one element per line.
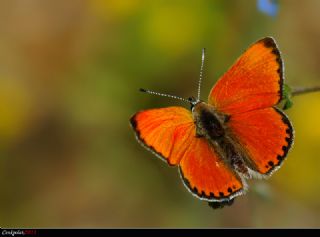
<point>209,122</point>
<point>212,125</point>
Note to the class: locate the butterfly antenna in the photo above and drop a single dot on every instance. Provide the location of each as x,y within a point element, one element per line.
<point>165,95</point>
<point>201,72</point>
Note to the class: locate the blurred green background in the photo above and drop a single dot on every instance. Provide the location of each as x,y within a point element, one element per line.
<point>69,78</point>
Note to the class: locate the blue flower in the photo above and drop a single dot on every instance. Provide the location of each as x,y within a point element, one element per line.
<point>269,7</point>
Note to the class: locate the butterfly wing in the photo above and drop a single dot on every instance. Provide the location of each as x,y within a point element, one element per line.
<point>206,175</point>
<point>171,134</point>
<point>254,81</point>
<point>165,131</point>
<point>266,136</point>
<point>247,93</point>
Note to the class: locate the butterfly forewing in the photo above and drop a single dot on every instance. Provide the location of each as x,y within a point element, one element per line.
<point>253,82</point>
<point>166,132</point>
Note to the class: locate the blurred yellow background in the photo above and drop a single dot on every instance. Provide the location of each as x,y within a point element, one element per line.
<point>69,78</point>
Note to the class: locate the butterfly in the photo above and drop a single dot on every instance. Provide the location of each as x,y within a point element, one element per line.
<point>237,135</point>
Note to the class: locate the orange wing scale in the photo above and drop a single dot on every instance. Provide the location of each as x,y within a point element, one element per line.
<point>253,82</point>
<point>265,134</point>
<point>171,134</point>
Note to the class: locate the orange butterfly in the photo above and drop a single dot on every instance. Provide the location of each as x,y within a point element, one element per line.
<point>237,135</point>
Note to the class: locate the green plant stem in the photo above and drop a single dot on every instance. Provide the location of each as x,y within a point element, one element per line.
<point>300,91</point>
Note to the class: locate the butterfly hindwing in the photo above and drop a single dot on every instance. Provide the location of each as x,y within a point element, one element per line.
<point>254,81</point>
<point>266,136</point>
<point>206,175</point>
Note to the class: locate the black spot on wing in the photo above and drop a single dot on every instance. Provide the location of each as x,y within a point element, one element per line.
<point>271,163</point>
<point>287,140</point>
<point>133,123</point>
<point>285,148</point>
<point>269,42</point>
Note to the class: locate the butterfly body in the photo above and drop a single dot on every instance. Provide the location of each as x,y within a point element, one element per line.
<point>213,125</point>
<point>239,134</point>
